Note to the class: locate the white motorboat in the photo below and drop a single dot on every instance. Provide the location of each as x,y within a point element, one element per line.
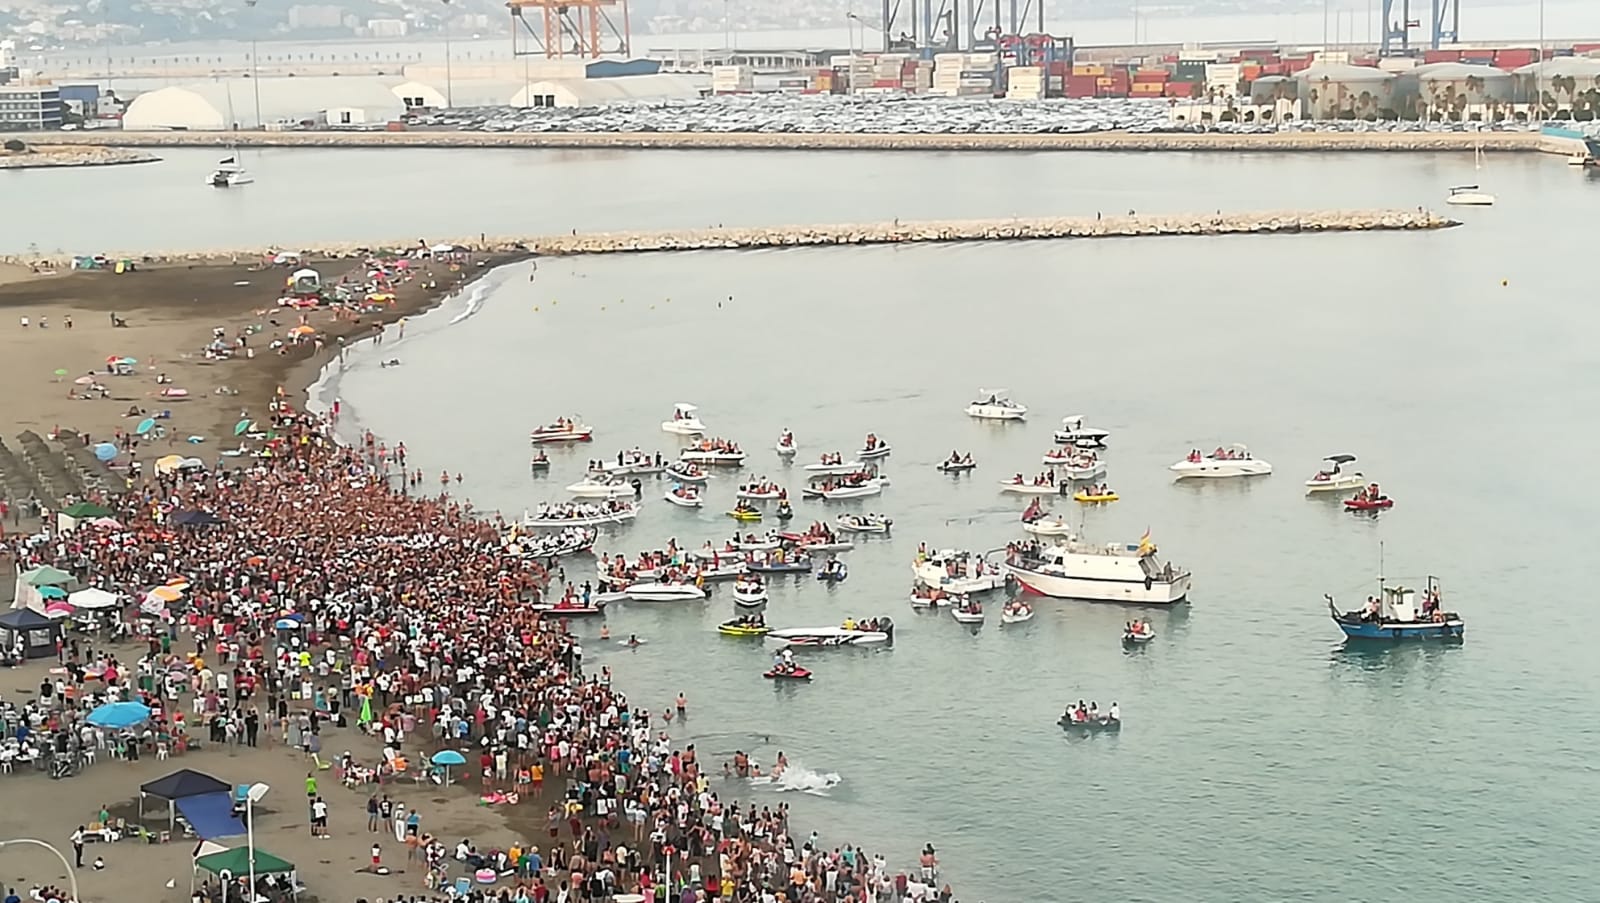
<point>1075,464</point>
<point>879,450</point>
<point>722,456</point>
<point>1048,526</point>
<point>1224,462</point>
<point>1469,196</point>
<point>995,406</point>
<point>958,573</point>
<point>1027,488</point>
<point>684,422</point>
<point>832,470</point>
<point>967,615</point>
<point>562,430</point>
<point>831,636</point>
<point>923,597</point>
<point>685,472</point>
<point>1115,572</point>
<point>759,544</point>
<point>1334,478</point>
<point>665,592</point>
<point>1016,613</point>
<point>684,497</point>
<point>1579,158</point>
<point>786,446</point>
<point>229,174</point>
<point>635,461</point>
<point>551,545</point>
<point>957,467</point>
<point>619,569</point>
<point>750,593</point>
<point>1073,432</point>
<point>761,491</point>
<point>578,514</point>
<point>595,487</point>
<point>723,569</point>
<point>863,523</point>
<point>871,487</point>
<point>723,554</point>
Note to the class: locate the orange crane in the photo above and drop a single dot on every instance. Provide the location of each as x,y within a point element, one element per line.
<point>576,28</point>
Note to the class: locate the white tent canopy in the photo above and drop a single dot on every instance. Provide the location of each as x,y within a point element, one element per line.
<point>92,598</point>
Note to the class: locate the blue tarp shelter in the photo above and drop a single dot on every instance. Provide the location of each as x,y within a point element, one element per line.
<point>211,815</point>
<point>180,784</point>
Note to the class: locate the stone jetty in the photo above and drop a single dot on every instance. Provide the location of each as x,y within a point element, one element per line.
<point>1193,142</point>
<point>897,232</point>
<point>42,156</point>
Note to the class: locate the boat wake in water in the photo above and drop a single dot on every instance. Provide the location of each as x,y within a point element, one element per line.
<point>799,779</point>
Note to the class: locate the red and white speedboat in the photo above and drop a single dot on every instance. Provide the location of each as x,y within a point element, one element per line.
<point>563,430</point>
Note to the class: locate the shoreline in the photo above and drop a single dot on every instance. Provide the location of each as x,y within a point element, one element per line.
<point>1116,141</point>
<point>73,156</point>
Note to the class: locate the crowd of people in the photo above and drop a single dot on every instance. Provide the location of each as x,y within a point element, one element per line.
<point>369,606</point>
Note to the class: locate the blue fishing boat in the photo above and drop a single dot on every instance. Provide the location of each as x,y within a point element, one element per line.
<point>1398,613</point>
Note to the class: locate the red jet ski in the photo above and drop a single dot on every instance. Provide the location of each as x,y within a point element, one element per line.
<point>796,674</point>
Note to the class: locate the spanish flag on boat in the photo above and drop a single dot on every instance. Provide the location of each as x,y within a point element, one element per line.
<point>1145,545</point>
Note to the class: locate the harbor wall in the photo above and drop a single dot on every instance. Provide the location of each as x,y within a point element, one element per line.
<point>752,238</point>
<point>1274,142</point>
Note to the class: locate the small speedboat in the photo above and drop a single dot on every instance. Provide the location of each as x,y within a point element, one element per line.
<point>874,452</point>
<point>595,487</point>
<point>745,514</point>
<point>796,565</point>
<point>1137,637</point>
<point>962,466</point>
<point>1094,498</point>
<point>684,497</point>
<point>835,636</point>
<point>684,472</point>
<point>995,406</point>
<point>1048,526</point>
<point>1334,478</point>
<point>786,446</point>
<point>1026,488</point>
<point>684,422</point>
<point>1231,462</point>
<point>539,462</point>
<point>1073,432</point>
<point>1091,725</point>
<point>561,431</point>
<point>725,569</point>
<point>724,457</point>
<point>968,615</point>
<point>833,572</point>
<point>863,523</point>
<point>665,592</point>
<point>575,514</point>
<point>860,490</point>
<point>1016,613</point>
<point>1469,196</point>
<point>750,593</point>
<point>761,491</point>
<point>1380,503</point>
<point>794,673</point>
<point>839,469</point>
<point>740,627</point>
<point>752,543</point>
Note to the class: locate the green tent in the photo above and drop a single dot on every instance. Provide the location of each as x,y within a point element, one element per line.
<point>45,575</point>
<point>85,510</point>
<point>237,862</point>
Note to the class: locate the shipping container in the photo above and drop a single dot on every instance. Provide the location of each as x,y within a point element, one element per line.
<point>1081,86</point>
<point>1088,69</point>
<point>1144,76</point>
<point>1180,89</point>
<point>1440,56</point>
<point>1478,53</point>
<point>1147,89</point>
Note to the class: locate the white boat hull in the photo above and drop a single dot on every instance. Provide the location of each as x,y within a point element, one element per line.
<point>724,459</point>
<point>583,491</point>
<point>1030,488</point>
<point>829,636</point>
<point>588,520</point>
<point>997,411</point>
<point>832,470</point>
<point>749,599</point>
<point>682,502</point>
<point>1082,438</point>
<point>1221,469</point>
<point>664,592</point>
<point>967,617</point>
<point>690,427</point>
<point>853,492</point>
<point>872,454</point>
<point>1007,617</point>
<point>1103,590</point>
<point>786,450</point>
<point>1470,199</point>
<point>751,496</point>
<point>1053,526</point>
<point>844,525</point>
<point>695,479</point>
<point>1342,483</point>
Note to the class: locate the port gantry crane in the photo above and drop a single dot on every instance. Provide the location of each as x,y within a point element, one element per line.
<point>1444,25</point>
<point>585,29</point>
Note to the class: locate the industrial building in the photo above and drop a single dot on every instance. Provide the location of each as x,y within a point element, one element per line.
<point>29,108</point>
<point>473,92</point>
<point>353,102</point>
<point>589,92</point>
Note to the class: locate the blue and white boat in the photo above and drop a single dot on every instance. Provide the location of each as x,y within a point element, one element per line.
<point>1398,613</point>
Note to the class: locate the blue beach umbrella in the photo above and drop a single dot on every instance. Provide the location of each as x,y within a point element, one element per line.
<point>286,624</point>
<point>446,758</point>
<point>105,451</point>
<point>118,715</point>
<point>146,425</point>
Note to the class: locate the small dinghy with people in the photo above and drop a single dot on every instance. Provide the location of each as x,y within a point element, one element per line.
<point>750,542</point>
<point>750,591</point>
<point>833,571</point>
<point>1043,484</point>
<point>873,448</point>
<point>1089,719</point>
<point>832,464</point>
<point>684,421</point>
<point>1369,498</point>
<point>686,472</point>
<point>866,632</point>
<point>633,461</point>
<point>1073,432</point>
<point>1095,495</point>
<point>854,486</point>
<point>993,405</point>
<point>1137,633</point>
<point>1334,478</point>
<point>684,496</point>
<point>563,430</point>
<point>1236,461</point>
<point>569,541</point>
<point>539,462</point>
<point>1040,522</point>
<point>744,625</point>
<point>971,612</point>
<point>597,487</point>
<point>580,514</point>
<point>786,446</point>
<point>1017,612</point>
<point>716,452</point>
<point>762,490</point>
<point>797,563</point>
<point>664,591</point>
<point>957,463</point>
<point>569,606</point>
<point>722,569</point>
<point>924,596</point>
<point>957,572</point>
<point>863,523</point>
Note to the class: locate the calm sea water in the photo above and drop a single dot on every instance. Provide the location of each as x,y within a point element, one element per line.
<point>1260,759</point>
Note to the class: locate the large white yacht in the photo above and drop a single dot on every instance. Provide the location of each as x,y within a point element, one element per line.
<point>996,407</point>
<point>958,572</point>
<point>1224,462</point>
<point>1115,572</point>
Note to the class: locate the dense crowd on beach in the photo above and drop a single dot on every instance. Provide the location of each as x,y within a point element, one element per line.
<point>326,597</point>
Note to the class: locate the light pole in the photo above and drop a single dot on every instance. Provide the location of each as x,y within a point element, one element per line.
<point>72,877</point>
<point>251,797</point>
<point>255,74</point>
<point>449,93</point>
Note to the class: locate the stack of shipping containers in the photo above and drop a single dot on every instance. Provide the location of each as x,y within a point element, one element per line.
<point>1025,83</point>
<point>963,74</point>
<point>732,80</point>
<point>1149,81</point>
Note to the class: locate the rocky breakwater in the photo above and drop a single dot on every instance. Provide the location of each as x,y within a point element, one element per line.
<point>15,154</point>
<point>1016,229</point>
